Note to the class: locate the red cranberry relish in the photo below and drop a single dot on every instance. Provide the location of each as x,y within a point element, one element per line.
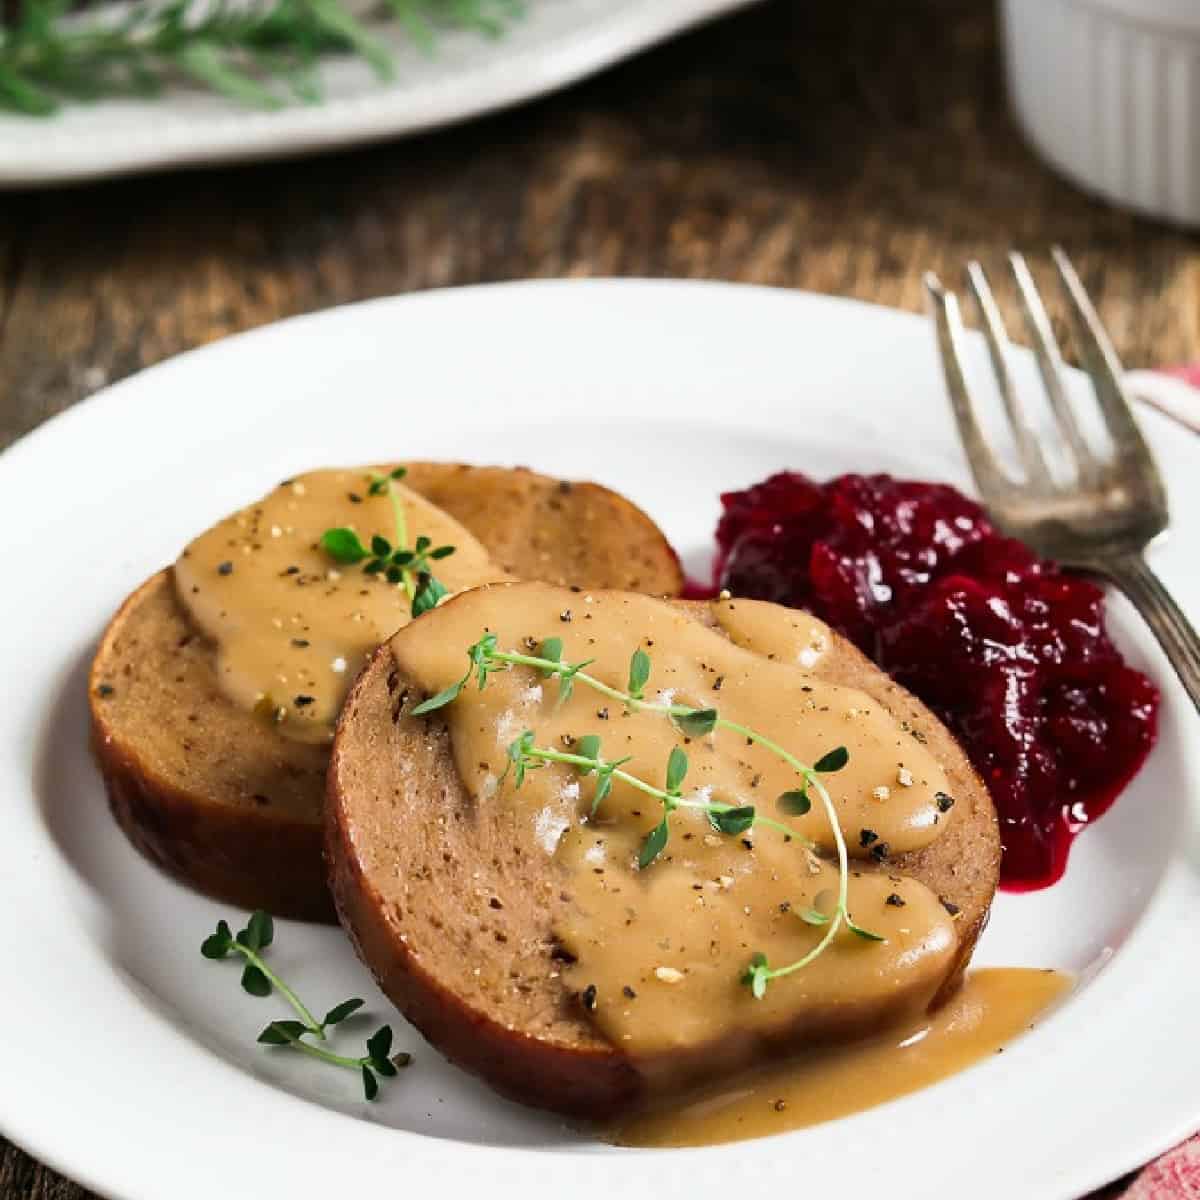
<point>1009,651</point>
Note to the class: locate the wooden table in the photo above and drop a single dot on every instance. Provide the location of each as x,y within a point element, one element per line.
<point>843,147</point>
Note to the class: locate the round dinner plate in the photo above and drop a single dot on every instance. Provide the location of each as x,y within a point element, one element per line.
<point>130,1062</point>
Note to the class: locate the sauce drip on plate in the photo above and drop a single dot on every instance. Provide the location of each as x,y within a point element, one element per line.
<point>995,1005</point>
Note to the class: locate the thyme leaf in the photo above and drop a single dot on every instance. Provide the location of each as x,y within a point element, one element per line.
<point>407,568</point>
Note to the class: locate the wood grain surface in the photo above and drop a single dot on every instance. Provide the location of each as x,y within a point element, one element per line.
<point>840,146</point>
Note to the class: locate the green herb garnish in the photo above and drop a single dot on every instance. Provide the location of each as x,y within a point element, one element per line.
<point>524,755</point>
<point>484,658</point>
<point>261,54</point>
<point>259,980</point>
<point>408,568</point>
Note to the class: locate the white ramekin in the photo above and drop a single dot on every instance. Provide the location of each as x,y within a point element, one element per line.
<point>1108,91</point>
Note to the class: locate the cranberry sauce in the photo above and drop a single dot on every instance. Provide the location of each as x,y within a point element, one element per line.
<point>1008,650</point>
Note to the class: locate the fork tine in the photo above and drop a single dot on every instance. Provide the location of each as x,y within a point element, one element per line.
<point>1050,364</point>
<point>997,340</point>
<point>1100,360</point>
<point>948,321</point>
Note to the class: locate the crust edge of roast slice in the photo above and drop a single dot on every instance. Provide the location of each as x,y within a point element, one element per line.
<point>263,852</point>
<point>537,1046</point>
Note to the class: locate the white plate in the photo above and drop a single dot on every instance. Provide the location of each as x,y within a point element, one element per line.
<point>130,1062</point>
<point>554,44</point>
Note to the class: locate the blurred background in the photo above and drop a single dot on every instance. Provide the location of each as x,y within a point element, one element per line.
<point>839,147</point>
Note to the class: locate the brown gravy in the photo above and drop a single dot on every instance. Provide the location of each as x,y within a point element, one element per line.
<point>994,1006</point>
<point>292,626</point>
<point>659,952</point>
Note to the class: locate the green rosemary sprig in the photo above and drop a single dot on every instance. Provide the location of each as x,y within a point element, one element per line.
<point>485,658</point>
<point>408,568</point>
<point>259,980</point>
<point>260,54</point>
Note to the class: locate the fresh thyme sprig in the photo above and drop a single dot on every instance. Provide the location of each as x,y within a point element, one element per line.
<point>259,980</point>
<point>260,53</point>
<point>524,754</point>
<point>408,568</point>
<point>485,658</point>
<point>378,1059</point>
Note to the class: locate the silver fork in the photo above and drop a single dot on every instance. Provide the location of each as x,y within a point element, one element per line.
<point>1115,505</point>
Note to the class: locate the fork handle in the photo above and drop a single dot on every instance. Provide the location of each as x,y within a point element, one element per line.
<point>1174,631</point>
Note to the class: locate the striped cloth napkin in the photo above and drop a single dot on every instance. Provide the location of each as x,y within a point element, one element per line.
<point>1176,1175</point>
